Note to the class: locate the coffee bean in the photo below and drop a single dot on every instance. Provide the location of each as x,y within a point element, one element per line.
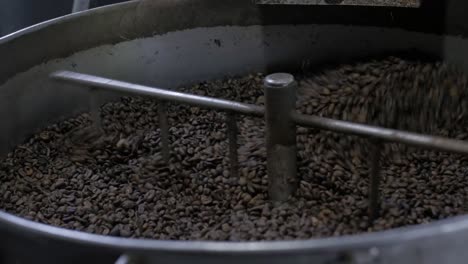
<point>128,204</point>
<point>116,182</point>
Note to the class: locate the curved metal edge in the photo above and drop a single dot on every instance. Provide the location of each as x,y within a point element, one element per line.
<point>137,19</point>
<point>39,26</point>
<point>74,36</point>
<point>377,239</point>
<point>116,23</point>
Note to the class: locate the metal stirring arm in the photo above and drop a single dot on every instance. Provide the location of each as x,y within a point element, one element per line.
<point>281,120</point>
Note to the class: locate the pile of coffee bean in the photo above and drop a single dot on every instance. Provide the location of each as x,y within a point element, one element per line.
<point>115,181</point>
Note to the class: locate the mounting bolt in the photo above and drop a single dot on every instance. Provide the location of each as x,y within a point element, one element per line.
<point>280,102</point>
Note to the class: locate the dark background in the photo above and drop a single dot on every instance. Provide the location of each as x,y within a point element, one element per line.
<point>17,14</point>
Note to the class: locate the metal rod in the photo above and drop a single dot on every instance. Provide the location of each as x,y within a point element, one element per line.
<point>80,5</point>
<point>385,134</point>
<point>114,85</point>
<point>164,131</point>
<point>94,107</point>
<point>232,131</point>
<point>374,181</point>
<point>280,101</point>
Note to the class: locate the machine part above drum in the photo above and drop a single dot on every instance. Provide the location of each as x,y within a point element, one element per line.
<point>399,3</point>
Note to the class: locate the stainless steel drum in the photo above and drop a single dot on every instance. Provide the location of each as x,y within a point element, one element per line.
<point>168,43</point>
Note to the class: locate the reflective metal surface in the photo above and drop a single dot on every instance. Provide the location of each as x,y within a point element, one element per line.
<point>384,134</point>
<point>280,102</point>
<point>125,87</point>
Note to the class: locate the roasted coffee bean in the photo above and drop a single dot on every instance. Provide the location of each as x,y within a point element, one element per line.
<point>116,182</point>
